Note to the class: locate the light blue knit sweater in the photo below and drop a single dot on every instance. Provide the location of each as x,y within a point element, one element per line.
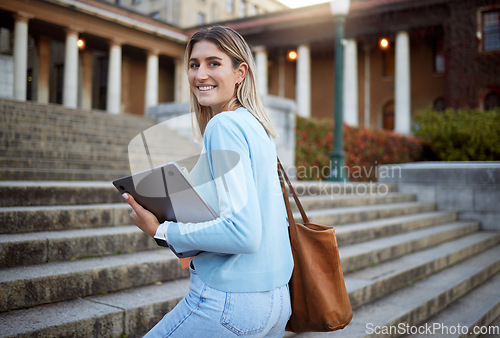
<point>247,249</point>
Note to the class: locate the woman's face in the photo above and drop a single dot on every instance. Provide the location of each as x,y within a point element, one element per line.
<point>212,77</point>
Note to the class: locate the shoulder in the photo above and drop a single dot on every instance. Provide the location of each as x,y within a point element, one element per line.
<point>238,117</point>
<point>239,121</point>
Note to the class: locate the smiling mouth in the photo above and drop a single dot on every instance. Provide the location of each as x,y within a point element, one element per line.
<point>205,88</point>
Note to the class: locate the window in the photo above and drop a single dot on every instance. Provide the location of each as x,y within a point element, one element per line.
<point>491,30</point>
<point>254,10</point>
<point>491,101</point>
<point>155,15</point>
<point>136,2</point>
<point>200,18</point>
<point>243,7</point>
<point>215,13</point>
<point>118,2</point>
<point>230,6</point>
<point>437,51</point>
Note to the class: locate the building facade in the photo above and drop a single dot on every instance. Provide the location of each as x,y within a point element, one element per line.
<point>190,13</point>
<point>400,56</point>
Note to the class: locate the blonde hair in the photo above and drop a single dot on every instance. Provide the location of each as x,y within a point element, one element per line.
<point>232,43</point>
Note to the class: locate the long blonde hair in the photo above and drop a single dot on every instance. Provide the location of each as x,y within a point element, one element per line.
<point>232,43</point>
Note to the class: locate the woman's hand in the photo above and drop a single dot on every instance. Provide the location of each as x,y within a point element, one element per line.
<point>143,218</point>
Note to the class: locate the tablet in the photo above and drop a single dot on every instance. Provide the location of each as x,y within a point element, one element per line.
<point>168,193</point>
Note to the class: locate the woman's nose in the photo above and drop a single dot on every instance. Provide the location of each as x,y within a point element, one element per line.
<point>202,73</point>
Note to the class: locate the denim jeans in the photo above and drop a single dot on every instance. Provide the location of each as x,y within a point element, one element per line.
<point>206,312</point>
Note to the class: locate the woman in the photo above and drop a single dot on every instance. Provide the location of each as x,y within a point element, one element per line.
<point>239,283</point>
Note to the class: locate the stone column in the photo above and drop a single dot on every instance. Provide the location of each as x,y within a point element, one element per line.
<point>114,94</point>
<point>70,84</point>
<point>86,93</point>
<point>303,94</point>
<point>151,94</point>
<point>402,115</point>
<point>20,55</point>
<point>367,86</point>
<point>261,63</point>
<point>181,81</point>
<point>281,76</point>
<point>351,83</point>
<point>43,69</point>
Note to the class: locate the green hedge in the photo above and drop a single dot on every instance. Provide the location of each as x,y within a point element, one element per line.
<point>365,150</point>
<point>463,135</point>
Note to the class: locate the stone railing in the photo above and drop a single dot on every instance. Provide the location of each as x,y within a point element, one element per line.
<point>281,111</point>
<point>471,188</point>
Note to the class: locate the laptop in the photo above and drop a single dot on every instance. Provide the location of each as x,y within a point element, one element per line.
<point>167,192</point>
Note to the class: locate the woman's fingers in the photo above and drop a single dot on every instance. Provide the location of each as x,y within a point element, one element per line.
<point>143,218</point>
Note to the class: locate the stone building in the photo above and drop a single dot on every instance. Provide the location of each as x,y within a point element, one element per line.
<point>441,53</point>
<point>181,13</point>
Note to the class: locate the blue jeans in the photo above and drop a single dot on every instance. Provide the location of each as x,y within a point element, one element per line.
<point>206,312</point>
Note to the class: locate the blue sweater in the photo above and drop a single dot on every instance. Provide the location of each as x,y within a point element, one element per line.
<point>247,248</point>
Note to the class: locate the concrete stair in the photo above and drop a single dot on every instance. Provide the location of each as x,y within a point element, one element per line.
<point>50,142</point>
<point>72,264</point>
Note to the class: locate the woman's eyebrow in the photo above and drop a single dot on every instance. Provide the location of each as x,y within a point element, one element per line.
<point>210,58</point>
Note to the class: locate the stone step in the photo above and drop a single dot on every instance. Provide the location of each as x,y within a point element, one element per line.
<point>37,193</point>
<point>93,274</point>
<point>46,218</point>
<point>418,302</point>
<point>326,202</point>
<point>346,215</point>
<point>18,111</point>
<point>368,230</point>
<point>49,246</point>
<point>86,162</point>
<point>33,193</point>
<point>40,148</point>
<point>361,255</point>
<point>374,282</point>
<point>320,188</point>
<point>17,219</point>
<point>53,246</point>
<point>64,126</point>
<point>493,329</point>
<point>30,174</point>
<point>469,316</point>
<point>144,306</point>
<point>27,286</point>
<point>82,157</point>
<point>54,113</point>
<point>127,313</point>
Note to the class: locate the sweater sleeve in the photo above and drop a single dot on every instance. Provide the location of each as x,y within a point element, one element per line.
<point>238,229</point>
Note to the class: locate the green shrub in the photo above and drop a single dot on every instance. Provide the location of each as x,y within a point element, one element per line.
<point>365,149</point>
<point>463,135</point>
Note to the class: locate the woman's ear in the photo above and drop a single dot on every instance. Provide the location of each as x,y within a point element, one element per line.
<point>242,71</point>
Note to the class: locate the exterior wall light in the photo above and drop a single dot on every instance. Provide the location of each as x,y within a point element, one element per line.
<point>80,43</point>
<point>383,43</point>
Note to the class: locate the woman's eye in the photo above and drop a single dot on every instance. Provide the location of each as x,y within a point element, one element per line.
<point>194,65</point>
<point>214,64</point>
